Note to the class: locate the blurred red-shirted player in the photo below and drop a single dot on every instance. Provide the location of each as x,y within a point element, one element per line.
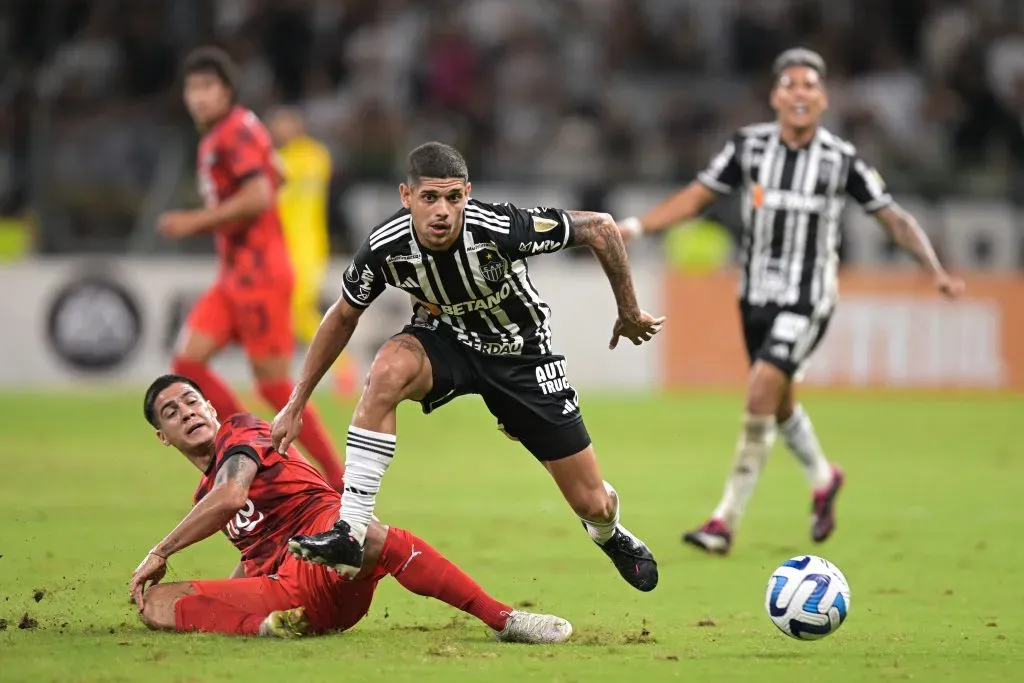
<point>250,304</point>
<point>260,498</point>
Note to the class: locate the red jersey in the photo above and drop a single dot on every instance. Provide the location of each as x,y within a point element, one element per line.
<point>236,149</point>
<point>286,495</point>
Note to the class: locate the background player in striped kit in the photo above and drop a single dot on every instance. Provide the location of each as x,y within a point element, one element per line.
<point>794,176</point>
<point>479,327</point>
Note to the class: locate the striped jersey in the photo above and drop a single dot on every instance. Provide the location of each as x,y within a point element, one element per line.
<point>480,289</point>
<point>792,200</point>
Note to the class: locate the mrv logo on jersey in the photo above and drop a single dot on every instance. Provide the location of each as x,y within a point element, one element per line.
<point>539,247</point>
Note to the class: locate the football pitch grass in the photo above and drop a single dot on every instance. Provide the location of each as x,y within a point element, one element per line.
<point>929,537</point>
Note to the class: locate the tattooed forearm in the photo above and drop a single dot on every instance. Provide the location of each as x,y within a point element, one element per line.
<point>216,508</point>
<point>598,231</point>
<point>906,232</point>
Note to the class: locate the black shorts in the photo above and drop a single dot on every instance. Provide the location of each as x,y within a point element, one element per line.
<point>529,395</point>
<point>784,336</point>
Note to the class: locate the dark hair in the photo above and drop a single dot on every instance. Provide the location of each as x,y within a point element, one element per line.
<point>211,59</point>
<point>799,56</point>
<point>436,160</point>
<point>158,385</point>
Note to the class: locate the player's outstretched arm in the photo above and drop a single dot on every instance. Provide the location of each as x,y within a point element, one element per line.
<point>210,515</point>
<point>255,196</point>
<point>688,203</point>
<point>905,231</point>
<point>598,231</point>
<point>328,342</point>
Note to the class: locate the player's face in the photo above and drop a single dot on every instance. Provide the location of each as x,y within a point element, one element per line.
<point>799,98</point>
<point>187,420</point>
<point>206,98</point>
<point>436,205</point>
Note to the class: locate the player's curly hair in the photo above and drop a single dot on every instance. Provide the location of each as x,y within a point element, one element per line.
<point>158,385</point>
<point>212,59</point>
<point>799,56</point>
<point>435,160</point>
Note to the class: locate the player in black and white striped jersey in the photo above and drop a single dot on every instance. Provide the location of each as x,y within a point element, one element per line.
<point>795,177</point>
<point>479,327</point>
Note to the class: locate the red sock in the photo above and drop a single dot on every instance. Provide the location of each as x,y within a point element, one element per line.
<point>203,613</point>
<point>424,571</point>
<point>213,387</point>
<point>313,438</point>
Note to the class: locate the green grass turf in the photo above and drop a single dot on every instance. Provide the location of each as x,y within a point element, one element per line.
<point>929,537</point>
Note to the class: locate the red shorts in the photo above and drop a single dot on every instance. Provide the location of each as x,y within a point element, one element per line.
<point>259,319</point>
<point>332,604</point>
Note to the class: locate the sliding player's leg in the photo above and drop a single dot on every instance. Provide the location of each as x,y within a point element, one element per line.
<point>256,606</point>
<point>419,365</point>
<point>337,604</point>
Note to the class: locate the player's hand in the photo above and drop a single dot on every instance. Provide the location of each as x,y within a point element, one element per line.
<point>949,286</point>
<point>286,427</point>
<point>637,327</point>
<point>176,225</point>
<point>149,573</point>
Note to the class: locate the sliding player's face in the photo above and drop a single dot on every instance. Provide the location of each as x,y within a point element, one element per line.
<point>186,419</point>
<point>436,205</point>
<point>799,98</point>
<point>207,98</point>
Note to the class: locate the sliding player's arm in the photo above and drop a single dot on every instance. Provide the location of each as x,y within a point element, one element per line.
<point>210,515</point>
<point>723,175</point>
<point>238,572</point>
<point>363,282</point>
<point>866,186</point>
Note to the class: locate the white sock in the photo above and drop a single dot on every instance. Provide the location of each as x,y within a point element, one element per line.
<point>602,531</point>
<point>756,441</point>
<point>367,457</point>
<point>798,433</point>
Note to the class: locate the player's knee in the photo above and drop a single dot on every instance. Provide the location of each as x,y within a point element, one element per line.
<point>595,504</point>
<point>158,610</point>
<point>765,390</point>
<point>389,379</point>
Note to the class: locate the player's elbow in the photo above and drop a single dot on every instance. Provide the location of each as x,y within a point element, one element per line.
<point>233,497</point>
<point>263,195</point>
<point>345,313</point>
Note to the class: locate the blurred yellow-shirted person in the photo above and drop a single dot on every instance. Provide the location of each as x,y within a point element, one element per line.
<point>302,202</point>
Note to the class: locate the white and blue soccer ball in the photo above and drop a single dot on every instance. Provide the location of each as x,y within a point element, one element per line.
<point>807,597</point>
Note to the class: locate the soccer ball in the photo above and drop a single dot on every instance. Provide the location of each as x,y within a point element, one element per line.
<point>807,597</point>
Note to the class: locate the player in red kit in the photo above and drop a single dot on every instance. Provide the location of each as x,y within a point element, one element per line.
<point>250,303</point>
<point>260,498</point>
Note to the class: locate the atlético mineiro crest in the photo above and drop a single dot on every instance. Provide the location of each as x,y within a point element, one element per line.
<point>493,266</point>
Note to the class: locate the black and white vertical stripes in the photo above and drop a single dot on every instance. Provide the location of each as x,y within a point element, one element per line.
<point>480,289</point>
<point>792,201</point>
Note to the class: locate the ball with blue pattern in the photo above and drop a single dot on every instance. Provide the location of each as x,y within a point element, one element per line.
<point>807,598</point>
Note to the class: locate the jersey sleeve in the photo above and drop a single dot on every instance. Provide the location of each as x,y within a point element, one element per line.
<point>724,173</point>
<point>865,184</point>
<point>248,436</point>
<point>243,151</point>
<point>364,278</point>
<point>539,230</point>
